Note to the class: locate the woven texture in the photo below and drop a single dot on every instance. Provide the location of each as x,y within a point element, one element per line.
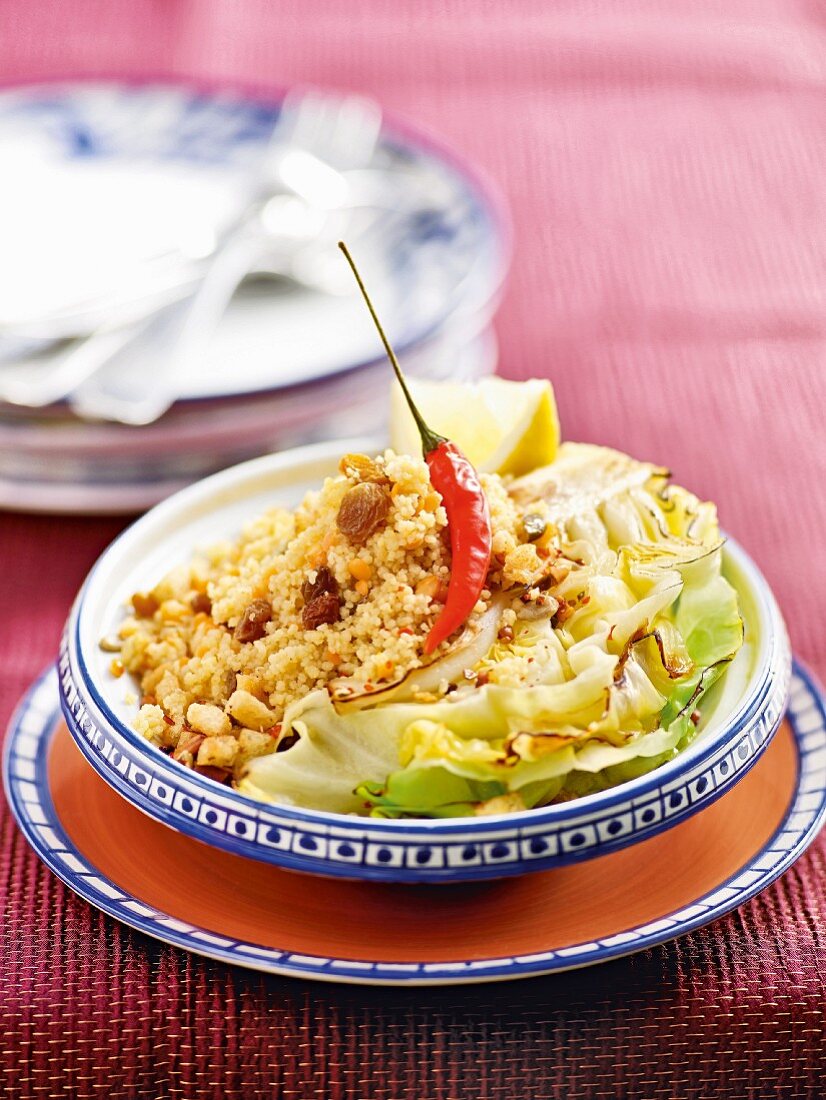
<point>664,167</point>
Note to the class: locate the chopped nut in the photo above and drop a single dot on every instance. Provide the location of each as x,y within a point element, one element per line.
<point>523,565</point>
<point>323,609</point>
<point>187,747</point>
<point>323,583</point>
<point>249,711</point>
<point>252,624</point>
<point>252,743</point>
<point>145,605</point>
<point>218,752</point>
<point>363,510</point>
<point>110,645</point>
<point>208,719</point>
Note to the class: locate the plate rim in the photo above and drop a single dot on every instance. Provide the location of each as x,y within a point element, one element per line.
<point>36,722</point>
<point>487,197</point>
<point>100,747</point>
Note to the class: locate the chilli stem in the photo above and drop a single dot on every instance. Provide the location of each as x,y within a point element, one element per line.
<point>430,440</point>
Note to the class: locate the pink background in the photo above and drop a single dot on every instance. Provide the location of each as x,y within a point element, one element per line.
<point>664,163</point>
<point>665,169</point>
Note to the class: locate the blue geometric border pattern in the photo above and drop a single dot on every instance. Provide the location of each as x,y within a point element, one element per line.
<point>25,780</point>
<point>425,851</point>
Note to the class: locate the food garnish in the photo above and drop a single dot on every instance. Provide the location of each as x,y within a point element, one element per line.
<point>468,515</point>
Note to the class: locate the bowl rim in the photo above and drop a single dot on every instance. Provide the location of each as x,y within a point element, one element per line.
<point>769,662</point>
<point>806,698</point>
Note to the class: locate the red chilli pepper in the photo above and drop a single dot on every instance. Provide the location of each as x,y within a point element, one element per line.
<point>455,479</point>
<point>468,519</point>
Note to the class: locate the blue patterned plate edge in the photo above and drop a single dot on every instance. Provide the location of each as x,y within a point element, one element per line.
<point>26,785</point>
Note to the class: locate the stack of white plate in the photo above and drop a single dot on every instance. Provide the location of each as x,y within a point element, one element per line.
<point>100,176</point>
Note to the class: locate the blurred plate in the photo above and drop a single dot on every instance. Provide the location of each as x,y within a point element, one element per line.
<point>99,177</point>
<point>59,465</point>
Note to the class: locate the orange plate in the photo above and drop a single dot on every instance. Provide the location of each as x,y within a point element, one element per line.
<point>552,911</point>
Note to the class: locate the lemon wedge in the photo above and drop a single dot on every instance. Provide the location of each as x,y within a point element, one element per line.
<point>503,427</point>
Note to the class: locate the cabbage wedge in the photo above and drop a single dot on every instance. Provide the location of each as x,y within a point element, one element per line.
<point>560,705</point>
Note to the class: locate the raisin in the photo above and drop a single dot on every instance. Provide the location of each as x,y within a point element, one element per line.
<point>145,606</point>
<point>325,608</point>
<point>325,583</point>
<point>363,510</point>
<point>253,623</point>
<point>201,603</point>
<point>362,468</point>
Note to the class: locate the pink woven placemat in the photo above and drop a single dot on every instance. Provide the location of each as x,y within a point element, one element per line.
<point>664,164</point>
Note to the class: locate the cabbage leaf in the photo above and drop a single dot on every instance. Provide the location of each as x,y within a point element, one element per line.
<point>568,709</point>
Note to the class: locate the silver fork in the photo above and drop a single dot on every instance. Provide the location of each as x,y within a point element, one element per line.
<point>300,180</point>
<point>317,137</point>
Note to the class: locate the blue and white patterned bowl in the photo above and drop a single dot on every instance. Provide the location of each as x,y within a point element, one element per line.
<point>749,704</point>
